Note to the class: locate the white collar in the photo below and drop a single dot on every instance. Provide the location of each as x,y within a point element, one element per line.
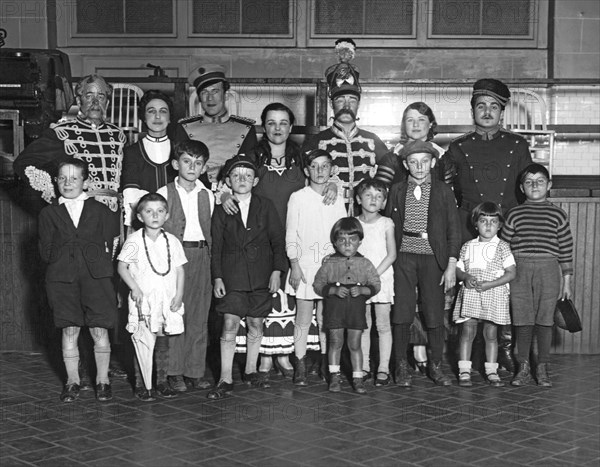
<point>199,186</point>
<point>495,239</point>
<point>81,198</point>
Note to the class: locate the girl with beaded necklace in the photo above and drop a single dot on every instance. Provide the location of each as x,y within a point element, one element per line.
<point>151,264</point>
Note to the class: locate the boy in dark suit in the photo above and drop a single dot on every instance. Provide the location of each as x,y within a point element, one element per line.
<point>428,240</point>
<point>247,260</point>
<point>76,240</point>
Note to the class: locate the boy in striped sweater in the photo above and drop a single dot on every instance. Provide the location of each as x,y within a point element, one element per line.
<point>540,239</point>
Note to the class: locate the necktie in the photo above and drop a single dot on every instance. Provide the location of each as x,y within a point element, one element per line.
<point>417,192</point>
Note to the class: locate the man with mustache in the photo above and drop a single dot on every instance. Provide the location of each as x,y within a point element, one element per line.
<point>355,152</point>
<point>89,138</point>
<point>484,165</point>
<point>225,135</point>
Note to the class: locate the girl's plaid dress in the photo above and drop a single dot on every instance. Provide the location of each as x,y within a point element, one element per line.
<point>491,305</point>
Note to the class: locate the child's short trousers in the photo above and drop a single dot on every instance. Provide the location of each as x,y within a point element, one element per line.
<point>255,303</point>
<point>346,313</point>
<point>84,302</point>
<point>534,292</point>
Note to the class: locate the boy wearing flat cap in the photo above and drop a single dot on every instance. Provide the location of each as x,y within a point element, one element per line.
<point>427,232</point>
<point>225,135</point>
<point>248,257</point>
<point>485,165</point>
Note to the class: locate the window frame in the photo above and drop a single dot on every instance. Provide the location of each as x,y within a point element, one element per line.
<point>67,36</point>
<point>301,33</point>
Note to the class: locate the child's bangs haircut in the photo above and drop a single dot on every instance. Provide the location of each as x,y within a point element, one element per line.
<point>196,149</point>
<point>148,198</point>
<point>534,169</point>
<point>486,209</point>
<point>81,165</point>
<point>371,183</point>
<point>346,226</point>
<point>315,153</point>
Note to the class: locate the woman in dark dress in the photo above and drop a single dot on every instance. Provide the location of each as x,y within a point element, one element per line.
<point>147,163</point>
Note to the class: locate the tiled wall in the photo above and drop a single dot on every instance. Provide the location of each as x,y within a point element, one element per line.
<point>577,33</point>
<point>576,105</point>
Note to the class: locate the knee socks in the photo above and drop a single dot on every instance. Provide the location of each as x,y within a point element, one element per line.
<point>71,359</point>
<point>227,354</point>
<point>544,340</point>
<point>252,350</point>
<point>102,356</point>
<point>524,336</point>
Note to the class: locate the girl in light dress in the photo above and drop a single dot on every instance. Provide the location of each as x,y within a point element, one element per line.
<point>379,246</point>
<point>308,225</point>
<point>485,266</point>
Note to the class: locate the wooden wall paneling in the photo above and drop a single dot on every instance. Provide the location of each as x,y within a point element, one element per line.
<point>584,217</point>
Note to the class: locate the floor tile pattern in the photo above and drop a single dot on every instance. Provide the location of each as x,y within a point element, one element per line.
<point>288,426</point>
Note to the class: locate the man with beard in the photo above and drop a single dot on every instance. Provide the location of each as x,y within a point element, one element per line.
<point>89,138</point>
<point>484,165</point>
<point>355,152</point>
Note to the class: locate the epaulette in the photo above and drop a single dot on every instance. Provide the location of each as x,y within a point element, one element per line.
<point>63,120</point>
<point>193,118</point>
<point>244,120</point>
<point>510,132</point>
<point>463,136</point>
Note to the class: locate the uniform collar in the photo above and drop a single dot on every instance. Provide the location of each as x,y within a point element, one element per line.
<point>487,135</point>
<point>221,118</point>
<point>340,131</point>
<point>85,121</point>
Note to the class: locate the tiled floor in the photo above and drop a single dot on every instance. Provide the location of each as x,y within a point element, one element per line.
<point>287,426</point>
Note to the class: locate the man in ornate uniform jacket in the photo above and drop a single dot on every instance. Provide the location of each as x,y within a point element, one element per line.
<point>484,165</point>
<point>225,135</point>
<point>89,138</point>
<point>355,152</point>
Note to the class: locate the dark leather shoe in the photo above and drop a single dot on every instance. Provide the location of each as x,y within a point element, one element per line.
<point>359,386</point>
<point>523,376</point>
<point>103,392</point>
<point>379,381</point>
<point>402,375</point>
<point>177,383</point>
<point>335,382</point>
<point>144,395</point>
<point>166,391</point>
<point>437,375</point>
<point>85,384</point>
<point>367,375</point>
<point>220,391</point>
<point>257,380</point>
<point>70,393</point>
<point>197,383</point>
<point>541,375</point>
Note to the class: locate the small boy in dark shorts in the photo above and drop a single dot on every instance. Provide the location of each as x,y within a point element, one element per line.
<point>248,257</point>
<point>345,281</point>
<point>540,238</point>
<point>76,239</point>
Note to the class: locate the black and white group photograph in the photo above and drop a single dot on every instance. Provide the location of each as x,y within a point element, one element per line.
<point>299,233</point>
